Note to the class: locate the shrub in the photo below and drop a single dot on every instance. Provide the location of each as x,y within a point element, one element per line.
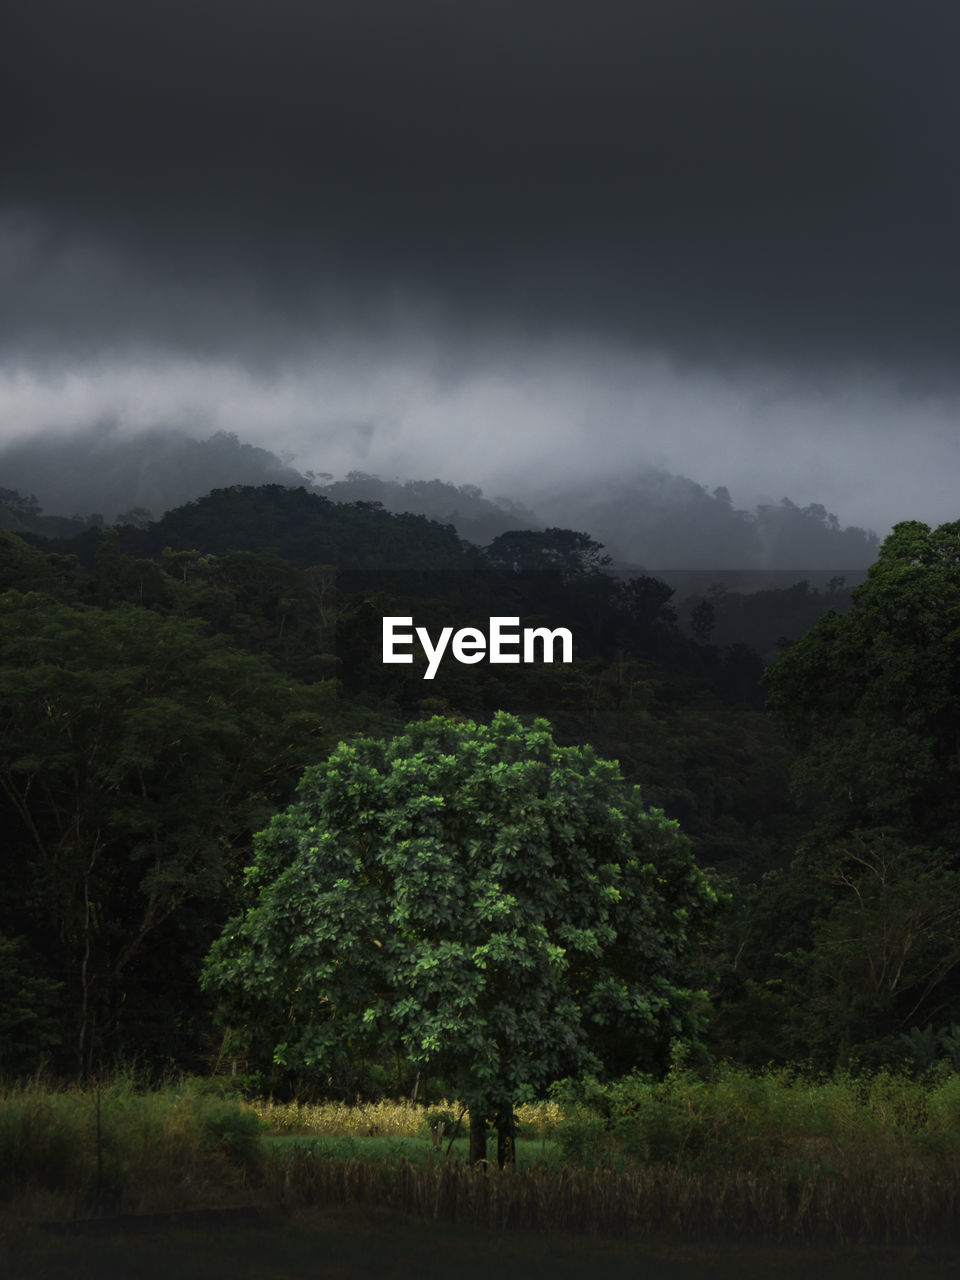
<point>738,1118</point>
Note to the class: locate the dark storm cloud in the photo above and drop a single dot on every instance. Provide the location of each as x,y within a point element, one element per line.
<point>775,179</point>
<point>504,244</point>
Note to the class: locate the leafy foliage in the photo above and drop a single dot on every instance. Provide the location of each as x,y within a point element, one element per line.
<point>474,897</point>
<point>143,750</point>
<point>136,754</point>
<point>29,1023</point>
<point>872,697</point>
<point>872,700</point>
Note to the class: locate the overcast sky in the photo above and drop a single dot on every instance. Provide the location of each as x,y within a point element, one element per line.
<point>509,243</point>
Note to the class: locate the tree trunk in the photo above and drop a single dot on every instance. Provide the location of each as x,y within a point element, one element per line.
<point>506,1132</point>
<point>478,1137</point>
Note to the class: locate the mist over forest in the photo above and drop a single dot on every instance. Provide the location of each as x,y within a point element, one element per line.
<point>647,519</point>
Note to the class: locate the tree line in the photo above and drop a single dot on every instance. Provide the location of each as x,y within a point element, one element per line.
<point>164,689</point>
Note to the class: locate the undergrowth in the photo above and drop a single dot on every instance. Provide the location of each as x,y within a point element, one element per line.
<point>732,1153</point>
<point>115,1146</point>
<point>776,1120</point>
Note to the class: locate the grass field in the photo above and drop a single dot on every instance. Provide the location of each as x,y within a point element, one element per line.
<point>720,1163</point>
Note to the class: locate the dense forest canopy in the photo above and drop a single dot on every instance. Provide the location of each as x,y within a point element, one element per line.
<point>163,685</point>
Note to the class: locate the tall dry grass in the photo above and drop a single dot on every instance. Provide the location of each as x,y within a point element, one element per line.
<point>905,1203</point>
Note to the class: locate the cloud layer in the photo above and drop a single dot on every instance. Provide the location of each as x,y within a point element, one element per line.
<point>500,243</point>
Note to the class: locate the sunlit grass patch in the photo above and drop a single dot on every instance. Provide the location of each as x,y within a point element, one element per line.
<point>341,1119</point>
<point>389,1119</point>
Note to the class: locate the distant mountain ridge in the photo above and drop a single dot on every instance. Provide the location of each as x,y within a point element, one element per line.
<point>476,518</point>
<point>647,518</point>
<point>102,474</point>
<point>665,521</point>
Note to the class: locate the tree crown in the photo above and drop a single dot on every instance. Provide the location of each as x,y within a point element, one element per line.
<point>475,896</point>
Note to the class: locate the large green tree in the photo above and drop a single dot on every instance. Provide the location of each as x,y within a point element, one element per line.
<point>476,898</point>
<point>872,697</point>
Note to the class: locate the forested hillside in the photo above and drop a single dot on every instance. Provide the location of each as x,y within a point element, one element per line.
<point>647,518</point>
<point>163,688</point>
